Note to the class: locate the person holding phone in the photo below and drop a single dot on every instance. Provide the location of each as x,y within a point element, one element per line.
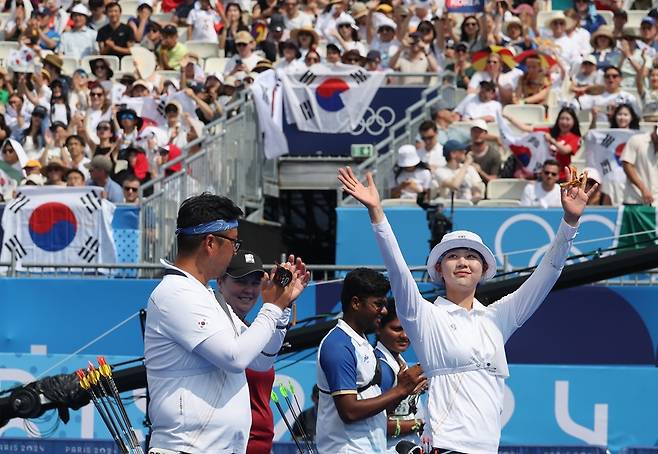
<point>196,349</point>
<point>460,342</point>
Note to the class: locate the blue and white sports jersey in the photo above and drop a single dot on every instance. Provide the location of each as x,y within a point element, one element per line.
<point>346,362</point>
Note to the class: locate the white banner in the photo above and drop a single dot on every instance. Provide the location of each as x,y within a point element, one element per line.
<point>330,98</point>
<point>530,149</point>
<point>58,225</point>
<point>603,150</point>
<point>268,99</point>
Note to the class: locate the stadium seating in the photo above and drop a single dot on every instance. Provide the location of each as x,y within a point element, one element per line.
<point>506,188</point>
<point>70,64</point>
<point>127,64</point>
<point>635,17</point>
<point>6,47</point>
<point>215,65</point>
<point>203,49</point>
<point>499,203</point>
<point>527,113</point>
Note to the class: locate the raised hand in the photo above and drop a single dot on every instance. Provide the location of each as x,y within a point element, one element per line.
<point>301,273</point>
<point>274,294</point>
<point>574,197</point>
<point>367,195</point>
<point>412,380</point>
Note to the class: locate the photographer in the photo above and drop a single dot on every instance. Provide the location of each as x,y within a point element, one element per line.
<point>458,176</point>
<point>416,59</point>
<point>196,350</point>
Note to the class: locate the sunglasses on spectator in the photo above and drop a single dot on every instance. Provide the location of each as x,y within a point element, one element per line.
<point>130,189</point>
<point>427,138</point>
<point>103,128</point>
<point>344,26</point>
<point>96,94</point>
<point>611,76</point>
<point>240,44</point>
<point>493,62</point>
<point>550,174</point>
<point>127,116</point>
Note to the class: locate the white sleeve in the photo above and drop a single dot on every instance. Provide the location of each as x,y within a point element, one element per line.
<point>408,300</point>
<point>265,360</point>
<point>233,354</point>
<point>512,311</point>
<point>526,198</point>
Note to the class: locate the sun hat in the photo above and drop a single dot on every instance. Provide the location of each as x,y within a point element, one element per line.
<point>457,240</point>
<point>407,156</point>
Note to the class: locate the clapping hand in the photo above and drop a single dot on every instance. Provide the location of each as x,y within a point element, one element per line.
<point>301,273</point>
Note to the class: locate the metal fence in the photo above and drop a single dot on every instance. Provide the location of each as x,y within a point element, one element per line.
<point>401,133</point>
<point>227,160</point>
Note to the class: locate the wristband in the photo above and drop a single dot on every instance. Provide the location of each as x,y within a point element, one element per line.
<point>417,425</point>
<point>397,429</point>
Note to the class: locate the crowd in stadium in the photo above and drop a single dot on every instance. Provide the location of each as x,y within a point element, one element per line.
<point>70,84</point>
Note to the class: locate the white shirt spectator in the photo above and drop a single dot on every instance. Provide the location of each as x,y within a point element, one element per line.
<point>203,25</point>
<point>78,43</point>
<point>250,62</point>
<point>534,195</point>
<point>301,20</point>
<point>422,178</point>
<point>639,151</point>
<point>505,80</point>
<point>602,101</point>
<point>434,158</point>
<point>472,108</point>
<point>465,191</point>
<point>386,49</point>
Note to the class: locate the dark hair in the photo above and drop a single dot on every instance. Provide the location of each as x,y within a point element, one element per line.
<point>391,313</point>
<point>607,68</point>
<point>575,129</point>
<point>74,170</point>
<point>76,137</point>
<point>635,119</point>
<point>427,125</point>
<point>550,162</point>
<point>463,38</point>
<point>397,170</point>
<point>201,209</point>
<point>131,177</point>
<point>362,283</point>
<point>488,85</point>
<point>427,25</point>
<point>112,4</point>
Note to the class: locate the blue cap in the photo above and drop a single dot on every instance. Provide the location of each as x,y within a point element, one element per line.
<point>454,145</point>
<point>648,20</point>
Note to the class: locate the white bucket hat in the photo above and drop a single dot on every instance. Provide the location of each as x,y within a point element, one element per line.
<point>479,123</point>
<point>457,240</point>
<point>407,156</point>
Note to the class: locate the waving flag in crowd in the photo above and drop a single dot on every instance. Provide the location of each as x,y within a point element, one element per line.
<point>268,99</point>
<point>530,149</point>
<point>603,149</point>
<point>464,6</point>
<point>330,98</point>
<point>58,225</point>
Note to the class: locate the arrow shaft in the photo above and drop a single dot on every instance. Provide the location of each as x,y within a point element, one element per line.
<point>108,422</point>
<point>283,415</point>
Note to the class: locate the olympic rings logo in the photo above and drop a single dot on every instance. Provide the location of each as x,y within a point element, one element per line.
<point>375,122</point>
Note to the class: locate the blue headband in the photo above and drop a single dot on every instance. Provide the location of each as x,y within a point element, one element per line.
<point>210,227</point>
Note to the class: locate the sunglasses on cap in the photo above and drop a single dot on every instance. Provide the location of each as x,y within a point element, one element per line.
<point>127,116</point>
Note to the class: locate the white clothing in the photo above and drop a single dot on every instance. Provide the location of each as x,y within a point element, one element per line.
<point>434,158</point>
<point>250,62</point>
<point>462,352</point>
<point>505,80</point>
<point>195,360</point>
<point>422,178</point>
<point>293,67</point>
<point>302,20</point>
<point>386,49</point>
<point>639,151</point>
<point>203,25</point>
<point>534,195</point>
<point>78,43</point>
<point>471,180</point>
<point>471,108</point>
<point>602,101</point>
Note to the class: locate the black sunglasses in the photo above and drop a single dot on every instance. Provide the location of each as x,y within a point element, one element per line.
<point>129,189</point>
<point>236,243</point>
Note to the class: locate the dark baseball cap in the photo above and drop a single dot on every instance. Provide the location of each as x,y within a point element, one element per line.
<point>244,263</point>
<point>170,30</point>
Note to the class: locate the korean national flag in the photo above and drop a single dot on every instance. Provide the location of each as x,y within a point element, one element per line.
<point>330,98</point>
<point>58,225</point>
<point>530,149</point>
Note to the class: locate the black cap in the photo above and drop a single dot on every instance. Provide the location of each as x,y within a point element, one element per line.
<point>243,263</point>
<point>170,30</point>
<point>374,55</point>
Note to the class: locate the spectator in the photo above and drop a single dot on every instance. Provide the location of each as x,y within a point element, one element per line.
<point>567,48</point>
<point>59,16</point>
<point>275,33</point>
<point>294,18</point>
<point>612,96</point>
<point>486,156</point>
<point>80,40</point>
<point>516,36</point>
<point>74,178</point>
<point>115,38</point>
<point>480,106</point>
<point>79,93</point>
<point>619,20</point>
<point>202,23</point>
<point>624,117</point>
<point>306,38</point>
<point>495,71</point>
<point>32,167</point>
<point>48,35</point>
<point>183,10</point>
<point>129,124</point>
<point>563,138</point>
<point>639,162</point>
<point>605,48</point>
<point>461,66</point>
<point>54,139</point>
<point>153,38</point>
<point>333,54</point>
<point>100,109</point>
<point>412,57</point>
<point>74,155</point>
<point>373,61</point>
<point>458,176</point>
<point>312,58</point>
<point>411,178</point>
<point>17,23</point>
<point>578,35</point>
<point>53,64</point>
<point>385,43</point>
<point>13,154</point>
<point>346,35</point>
<point>351,57</point>
<point>171,52</point>
<point>234,25</point>
<point>430,151</point>
<point>534,85</point>
<point>245,60</point>
<point>101,70</point>
<point>291,57</point>
<point>587,16</point>
<point>648,35</point>
<point>326,22</point>
<point>470,34</point>
<point>142,24</point>
<point>32,137</point>
<point>649,96</point>
<point>98,18</point>
<point>131,189</point>
<point>100,169</point>
<point>307,419</point>
<point>587,77</point>
<point>544,193</point>
<point>54,173</point>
